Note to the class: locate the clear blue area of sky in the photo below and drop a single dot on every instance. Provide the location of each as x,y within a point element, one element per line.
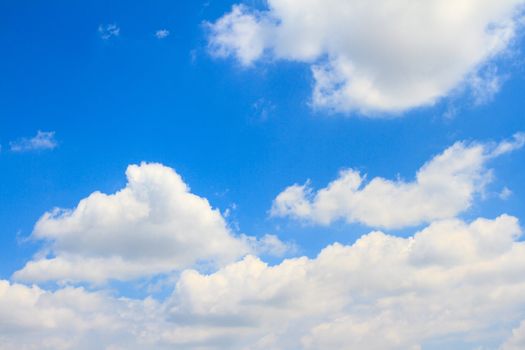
<point>236,135</point>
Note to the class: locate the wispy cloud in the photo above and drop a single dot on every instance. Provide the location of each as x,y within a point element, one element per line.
<point>262,109</point>
<point>108,31</point>
<point>162,33</point>
<point>43,140</point>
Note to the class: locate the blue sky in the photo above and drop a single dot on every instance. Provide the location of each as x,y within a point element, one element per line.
<point>239,133</point>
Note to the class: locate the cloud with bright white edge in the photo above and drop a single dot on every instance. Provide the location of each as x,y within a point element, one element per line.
<point>376,58</point>
<point>443,188</point>
<point>154,225</point>
<point>452,281</point>
<point>43,140</point>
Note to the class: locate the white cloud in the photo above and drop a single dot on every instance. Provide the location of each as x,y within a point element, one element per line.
<point>69,318</point>
<point>108,31</point>
<point>485,85</point>
<point>451,281</point>
<point>238,33</point>
<point>162,33</point>
<point>43,140</point>
<point>153,225</point>
<point>270,245</point>
<point>380,285</point>
<point>376,56</point>
<point>505,193</point>
<point>443,187</point>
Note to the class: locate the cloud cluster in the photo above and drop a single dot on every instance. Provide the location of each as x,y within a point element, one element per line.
<point>443,187</point>
<point>154,225</point>
<point>452,280</point>
<point>375,57</point>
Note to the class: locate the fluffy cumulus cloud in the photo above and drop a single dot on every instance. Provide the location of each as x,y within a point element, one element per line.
<point>452,284</point>
<point>153,225</point>
<point>408,291</point>
<point>376,56</point>
<point>453,281</point>
<point>443,187</point>
<point>32,318</point>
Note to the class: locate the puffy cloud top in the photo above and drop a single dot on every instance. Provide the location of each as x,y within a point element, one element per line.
<point>452,280</point>
<point>443,188</point>
<point>375,56</point>
<point>153,225</point>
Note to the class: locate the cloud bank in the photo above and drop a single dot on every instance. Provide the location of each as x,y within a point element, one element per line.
<point>376,58</point>
<point>452,281</point>
<point>452,284</point>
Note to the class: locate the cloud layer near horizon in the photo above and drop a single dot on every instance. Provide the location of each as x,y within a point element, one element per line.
<point>375,57</point>
<point>452,281</point>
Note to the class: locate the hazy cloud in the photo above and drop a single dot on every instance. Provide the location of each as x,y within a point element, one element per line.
<point>43,140</point>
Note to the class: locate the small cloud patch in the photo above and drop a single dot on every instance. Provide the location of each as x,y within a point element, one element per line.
<point>43,140</point>
<point>108,31</point>
<point>162,33</point>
